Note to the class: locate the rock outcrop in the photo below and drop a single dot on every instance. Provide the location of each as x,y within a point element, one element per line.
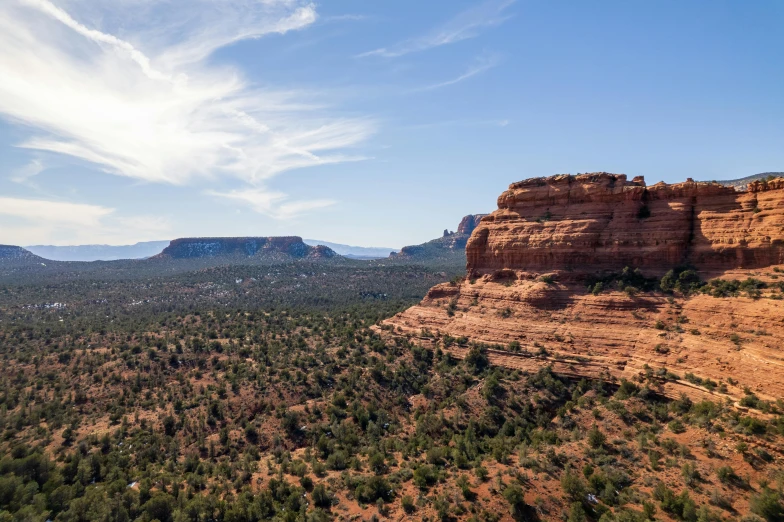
<point>469,223</point>
<point>602,222</point>
<point>250,247</point>
<point>450,247</point>
<point>528,264</point>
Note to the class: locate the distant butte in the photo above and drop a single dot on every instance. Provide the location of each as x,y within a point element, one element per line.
<point>208,247</point>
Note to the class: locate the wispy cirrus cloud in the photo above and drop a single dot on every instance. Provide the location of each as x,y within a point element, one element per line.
<point>128,86</point>
<point>26,173</point>
<point>465,25</point>
<point>276,205</point>
<point>481,65</point>
<point>63,212</point>
<point>26,221</point>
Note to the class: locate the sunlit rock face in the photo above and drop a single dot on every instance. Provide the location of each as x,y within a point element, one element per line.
<point>603,222</point>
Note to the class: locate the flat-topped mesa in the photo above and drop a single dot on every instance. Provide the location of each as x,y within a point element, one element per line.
<point>293,246</point>
<point>599,222</point>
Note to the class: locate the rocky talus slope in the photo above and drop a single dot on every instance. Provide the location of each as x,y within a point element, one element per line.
<point>530,262</point>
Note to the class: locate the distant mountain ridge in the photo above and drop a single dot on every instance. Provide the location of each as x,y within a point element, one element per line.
<point>139,250</point>
<point>268,248</point>
<point>743,183</point>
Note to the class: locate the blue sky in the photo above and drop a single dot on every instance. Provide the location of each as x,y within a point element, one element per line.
<point>368,123</point>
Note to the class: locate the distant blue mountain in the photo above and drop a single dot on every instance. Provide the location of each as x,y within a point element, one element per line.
<point>99,252</point>
<point>354,252</point>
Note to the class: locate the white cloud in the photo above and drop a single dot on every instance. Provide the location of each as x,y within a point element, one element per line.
<point>127,85</point>
<point>24,175</point>
<point>273,204</point>
<point>481,65</point>
<point>53,211</point>
<point>36,221</point>
<point>467,24</point>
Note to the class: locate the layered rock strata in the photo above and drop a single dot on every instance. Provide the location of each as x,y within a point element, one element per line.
<point>602,222</point>
<point>525,292</point>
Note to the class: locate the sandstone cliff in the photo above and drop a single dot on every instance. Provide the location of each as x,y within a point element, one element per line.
<point>602,222</point>
<point>469,223</point>
<point>528,264</point>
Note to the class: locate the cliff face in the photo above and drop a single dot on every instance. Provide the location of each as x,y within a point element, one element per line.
<point>602,222</point>
<point>572,227</point>
<point>469,223</point>
<point>294,247</point>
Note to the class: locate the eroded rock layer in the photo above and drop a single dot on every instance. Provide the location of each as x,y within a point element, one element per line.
<point>737,341</point>
<point>602,222</point>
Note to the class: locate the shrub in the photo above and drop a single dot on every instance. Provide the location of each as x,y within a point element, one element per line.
<point>690,474</point>
<point>572,485</point>
<point>373,489</point>
<point>514,496</point>
<point>577,513</point>
<point>596,438</point>
<point>767,504</point>
<point>321,496</point>
<point>408,504</point>
<point>477,360</point>
<point>425,476</point>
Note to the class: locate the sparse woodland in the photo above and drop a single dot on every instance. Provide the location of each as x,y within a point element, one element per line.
<point>199,397</point>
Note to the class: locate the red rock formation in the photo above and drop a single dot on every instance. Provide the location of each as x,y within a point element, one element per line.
<point>573,226</point>
<point>469,223</point>
<point>602,222</point>
<point>449,247</point>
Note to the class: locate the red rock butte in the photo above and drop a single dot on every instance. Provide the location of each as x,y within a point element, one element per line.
<point>574,227</point>
<point>600,221</point>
